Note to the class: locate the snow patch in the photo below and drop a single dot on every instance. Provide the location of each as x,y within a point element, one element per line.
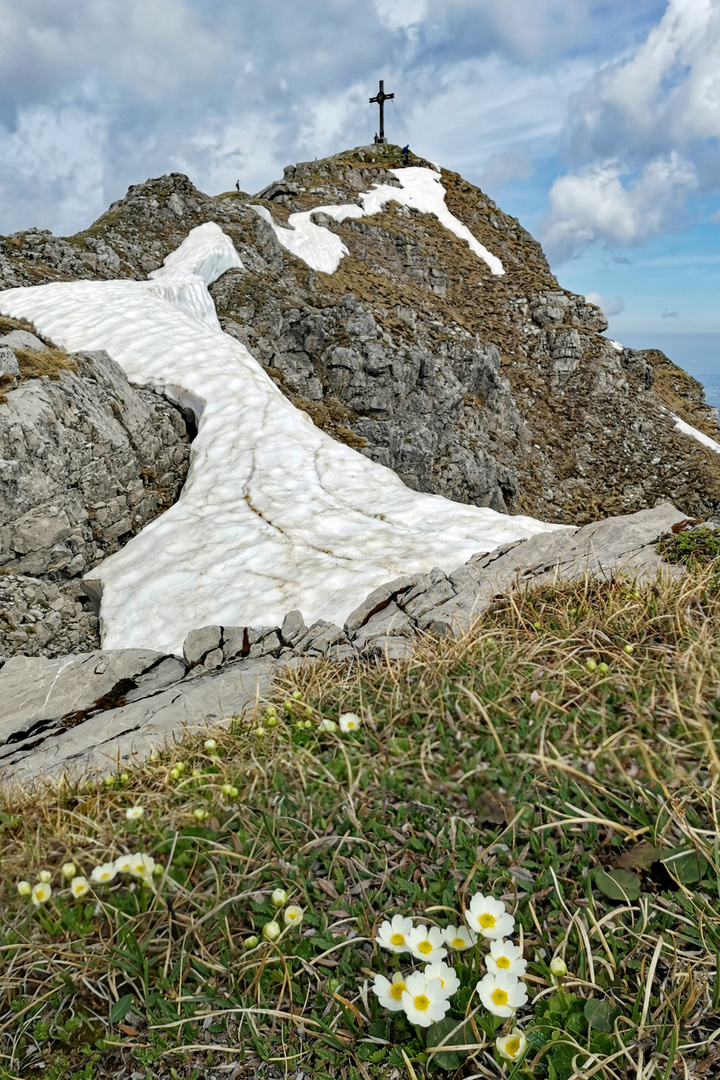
<point>274,514</point>
<point>421,189</point>
<point>699,436</point>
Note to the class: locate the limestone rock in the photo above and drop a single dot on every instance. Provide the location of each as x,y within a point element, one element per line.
<point>22,339</point>
<point>86,460</point>
<point>42,740</point>
<point>8,362</point>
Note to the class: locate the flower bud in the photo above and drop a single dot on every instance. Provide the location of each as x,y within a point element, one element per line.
<point>199,814</point>
<point>210,744</point>
<point>271,930</point>
<point>69,869</point>
<point>252,942</point>
<point>24,888</point>
<point>45,876</point>
<point>278,898</point>
<point>558,967</point>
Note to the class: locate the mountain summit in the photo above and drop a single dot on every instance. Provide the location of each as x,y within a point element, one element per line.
<point>478,378</point>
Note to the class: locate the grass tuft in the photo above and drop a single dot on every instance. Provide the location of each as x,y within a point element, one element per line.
<point>562,757</point>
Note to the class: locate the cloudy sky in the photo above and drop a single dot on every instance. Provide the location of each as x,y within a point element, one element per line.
<point>596,122</point>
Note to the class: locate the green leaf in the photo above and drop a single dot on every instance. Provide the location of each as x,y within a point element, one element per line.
<point>121,1008</point>
<point>687,866</point>
<point>599,1014</point>
<point>451,1059</point>
<point>618,884</point>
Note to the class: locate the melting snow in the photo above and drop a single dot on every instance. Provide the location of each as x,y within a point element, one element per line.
<point>700,436</point>
<point>275,514</point>
<point>421,189</point>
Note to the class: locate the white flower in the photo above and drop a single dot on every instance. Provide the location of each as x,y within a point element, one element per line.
<point>394,935</point>
<point>24,888</point>
<point>504,956</point>
<point>501,993</point>
<point>489,918</point>
<point>292,915</point>
<point>69,869</point>
<point>423,1000</point>
<point>41,893</point>
<point>278,898</point>
<point>349,721</point>
<point>447,975</point>
<point>426,943</point>
<point>103,873</point>
<point>45,877</point>
<point>271,930</point>
<point>134,813</point>
<point>142,865</point>
<point>327,725</point>
<point>459,937</point>
<point>79,886</point>
<point>389,994</point>
<point>558,967</point>
<point>123,864</point>
<point>512,1046</point>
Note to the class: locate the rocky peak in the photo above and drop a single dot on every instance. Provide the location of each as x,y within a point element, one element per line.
<point>493,389</point>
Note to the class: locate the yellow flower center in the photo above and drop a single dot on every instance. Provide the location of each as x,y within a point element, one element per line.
<point>487,921</point>
<point>513,1045</point>
<point>425,947</point>
<point>422,1002</point>
<point>396,990</point>
<point>397,939</point>
<point>292,914</point>
<point>458,942</point>
<point>351,725</point>
<point>502,962</point>
<point>499,997</point>
<point>442,983</point>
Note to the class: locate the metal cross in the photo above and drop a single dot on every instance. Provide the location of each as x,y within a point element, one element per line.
<point>381,97</point>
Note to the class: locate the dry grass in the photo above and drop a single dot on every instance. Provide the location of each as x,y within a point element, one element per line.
<point>586,799</point>
<point>46,364</point>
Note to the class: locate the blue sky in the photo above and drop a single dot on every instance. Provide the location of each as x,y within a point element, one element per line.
<point>596,122</point>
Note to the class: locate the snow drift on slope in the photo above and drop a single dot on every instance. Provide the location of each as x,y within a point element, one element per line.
<point>420,190</point>
<point>275,514</point>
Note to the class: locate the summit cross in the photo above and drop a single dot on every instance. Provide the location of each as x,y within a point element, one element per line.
<point>381,97</point>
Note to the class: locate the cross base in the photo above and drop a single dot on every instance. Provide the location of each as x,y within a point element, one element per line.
<point>381,140</point>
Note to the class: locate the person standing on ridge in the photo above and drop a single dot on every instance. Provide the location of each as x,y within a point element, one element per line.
<point>406,153</point>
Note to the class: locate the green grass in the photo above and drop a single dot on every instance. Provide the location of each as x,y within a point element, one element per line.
<point>563,757</point>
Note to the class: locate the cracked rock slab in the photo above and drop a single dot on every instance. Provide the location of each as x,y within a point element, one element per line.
<point>41,747</point>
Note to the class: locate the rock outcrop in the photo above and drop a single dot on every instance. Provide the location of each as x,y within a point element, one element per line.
<point>86,461</point>
<point>493,390</point>
<point>85,714</point>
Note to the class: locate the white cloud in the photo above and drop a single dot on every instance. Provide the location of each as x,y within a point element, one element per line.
<point>401,14</point>
<point>594,204</point>
<point>644,133</point>
<point>609,305</point>
<point>666,96</point>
